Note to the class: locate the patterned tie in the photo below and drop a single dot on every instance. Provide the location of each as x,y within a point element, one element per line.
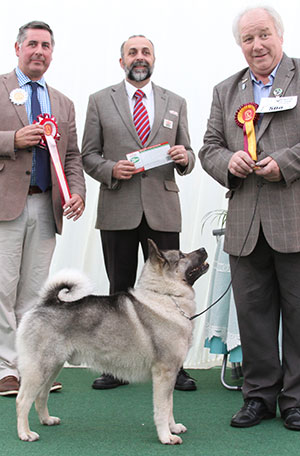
<point>42,163</point>
<point>140,117</point>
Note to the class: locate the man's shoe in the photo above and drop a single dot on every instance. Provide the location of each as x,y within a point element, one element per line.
<point>9,386</point>
<point>56,386</point>
<point>184,382</point>
<point>107,381</point>
<point>252,412</point>
<point>291,418</point>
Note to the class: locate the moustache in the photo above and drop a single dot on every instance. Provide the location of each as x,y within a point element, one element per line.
<point>37,60</point>
<point>139,64</point>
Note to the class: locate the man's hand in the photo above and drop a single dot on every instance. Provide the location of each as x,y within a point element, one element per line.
<point>241,164</point>
<point>28,136</point>
<point>179,155</point>
<point>269,170</point>
<point>74,207</point>
<point>123,169</point>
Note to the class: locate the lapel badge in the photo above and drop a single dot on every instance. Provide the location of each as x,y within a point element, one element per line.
<point>244,83</point>
<point>168,123</point>
<point>277,92</point>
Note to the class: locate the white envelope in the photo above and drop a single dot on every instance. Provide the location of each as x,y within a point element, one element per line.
<point>150,157</point>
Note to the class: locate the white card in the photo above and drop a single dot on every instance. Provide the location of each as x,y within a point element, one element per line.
<point>151,157</point>
<point>277,104</point>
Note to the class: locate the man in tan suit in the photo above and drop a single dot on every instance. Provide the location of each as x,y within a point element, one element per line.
<point>134,207</point>
<point>30,209</point>
<point>263,222</point>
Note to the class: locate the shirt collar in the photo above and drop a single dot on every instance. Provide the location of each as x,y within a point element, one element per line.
<point>271,77</point>
<point>131,89</point>
<point>23,79</point>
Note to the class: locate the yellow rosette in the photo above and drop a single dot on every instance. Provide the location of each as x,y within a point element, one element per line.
<point>246,117</point>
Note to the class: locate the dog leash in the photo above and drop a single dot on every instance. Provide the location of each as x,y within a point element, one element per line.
<point>260,184</point>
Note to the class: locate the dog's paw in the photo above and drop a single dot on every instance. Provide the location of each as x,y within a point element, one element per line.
<point>178,428</point>
<point>172,440</point>
<point>29,436</point>
<point>51,421</point>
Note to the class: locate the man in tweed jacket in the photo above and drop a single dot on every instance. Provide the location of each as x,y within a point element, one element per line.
<point>264,197</point>
<point>134,207</point>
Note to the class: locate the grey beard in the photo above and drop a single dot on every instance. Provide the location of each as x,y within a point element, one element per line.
<point>138,75</point>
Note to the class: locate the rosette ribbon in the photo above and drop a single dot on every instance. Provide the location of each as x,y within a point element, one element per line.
<point>48,141</point>
<point>246,117</point>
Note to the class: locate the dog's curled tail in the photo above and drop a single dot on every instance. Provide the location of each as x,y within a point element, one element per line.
<point>66,285</point>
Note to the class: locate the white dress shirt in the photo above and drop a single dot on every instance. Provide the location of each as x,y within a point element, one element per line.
<point>148,99</point>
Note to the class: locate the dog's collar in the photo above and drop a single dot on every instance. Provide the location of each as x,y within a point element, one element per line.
<point>180,309</point>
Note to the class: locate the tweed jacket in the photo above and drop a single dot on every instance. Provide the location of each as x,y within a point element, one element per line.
<point>109,135</point>
<point>278,136</point>
<point>15,165</point>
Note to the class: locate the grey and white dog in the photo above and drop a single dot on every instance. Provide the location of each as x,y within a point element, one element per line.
<point>145,332</point>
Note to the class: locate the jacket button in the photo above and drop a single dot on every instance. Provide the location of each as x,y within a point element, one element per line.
<point>28,172</point>
<point>144,175</point>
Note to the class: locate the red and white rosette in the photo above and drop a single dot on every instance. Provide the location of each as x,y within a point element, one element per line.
<point>49,140</point>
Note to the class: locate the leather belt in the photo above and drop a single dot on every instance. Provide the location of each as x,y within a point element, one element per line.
<point>33,189</point>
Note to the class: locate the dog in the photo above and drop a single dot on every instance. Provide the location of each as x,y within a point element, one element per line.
<point>133,335</point>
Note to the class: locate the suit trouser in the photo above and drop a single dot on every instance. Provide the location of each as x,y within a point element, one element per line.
<point>26,248</point>
<point>120,250</point>
<point>266,285</point>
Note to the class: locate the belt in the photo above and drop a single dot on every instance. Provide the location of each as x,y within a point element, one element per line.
<point>35,189</point>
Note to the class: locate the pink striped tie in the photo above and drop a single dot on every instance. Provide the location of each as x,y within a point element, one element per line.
<point>140,117</point>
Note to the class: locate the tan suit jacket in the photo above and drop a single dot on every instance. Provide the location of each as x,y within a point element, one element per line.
<point>278,136</point>
<point>109,135</point>
<point>15,165</point>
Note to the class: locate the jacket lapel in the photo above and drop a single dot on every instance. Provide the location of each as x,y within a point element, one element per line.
<point>160,104</point>
<point>283,78</point>
<point>120,99</point>
<point>54,103</point>
<point>11,83</point>
<point>246,89</point>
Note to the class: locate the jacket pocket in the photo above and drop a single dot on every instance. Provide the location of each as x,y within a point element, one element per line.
<point>171,186</point>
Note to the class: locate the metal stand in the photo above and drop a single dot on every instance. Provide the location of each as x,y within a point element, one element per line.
<point>237,368</point>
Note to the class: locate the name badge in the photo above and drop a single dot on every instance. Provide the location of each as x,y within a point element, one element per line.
<point>168,123</point>
<point>277,104</point>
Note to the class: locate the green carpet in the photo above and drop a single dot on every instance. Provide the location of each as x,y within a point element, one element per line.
<point>119,422</point>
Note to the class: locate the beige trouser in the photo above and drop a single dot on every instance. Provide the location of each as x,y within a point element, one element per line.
<point>26,248</point>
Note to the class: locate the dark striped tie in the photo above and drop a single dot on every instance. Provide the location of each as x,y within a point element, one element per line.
<point>42,172</point>
<point>140,117</point>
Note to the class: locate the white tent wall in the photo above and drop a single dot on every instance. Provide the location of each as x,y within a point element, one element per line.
<point>194,50</point>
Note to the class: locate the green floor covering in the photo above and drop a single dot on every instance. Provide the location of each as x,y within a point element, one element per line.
<point>119,422</point>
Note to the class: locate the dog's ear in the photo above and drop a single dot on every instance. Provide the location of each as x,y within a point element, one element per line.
<point>154,254</point>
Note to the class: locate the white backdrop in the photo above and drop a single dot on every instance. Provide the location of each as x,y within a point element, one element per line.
<point>195,50</point>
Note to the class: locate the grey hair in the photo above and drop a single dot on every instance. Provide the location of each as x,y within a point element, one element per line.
<point>272,13</point>
<point>33,25</point>
<point>133,36</point>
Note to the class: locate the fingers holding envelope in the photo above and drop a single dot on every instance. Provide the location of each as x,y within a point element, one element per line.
<point>179,155</point>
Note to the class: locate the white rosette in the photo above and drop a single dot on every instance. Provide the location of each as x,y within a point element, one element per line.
<point>18,96</point>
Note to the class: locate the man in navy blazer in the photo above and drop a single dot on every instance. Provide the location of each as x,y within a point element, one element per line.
<point>133,207</point>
